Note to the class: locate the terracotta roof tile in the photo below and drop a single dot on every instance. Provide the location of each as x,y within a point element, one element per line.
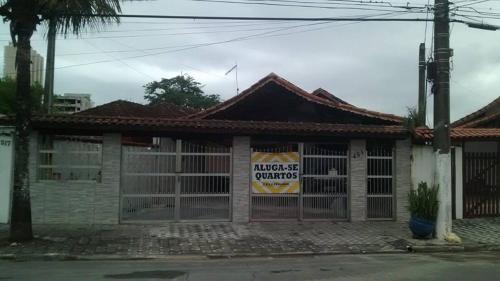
<point>476,114</point>
<point>322,93</point>
<point>156,125</point>
<point>124,108</point>
<point>481,121</point>
<point>460,133</point>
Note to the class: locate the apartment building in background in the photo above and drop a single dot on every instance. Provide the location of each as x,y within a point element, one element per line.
<point>37,65</point>
<point>72,103</point>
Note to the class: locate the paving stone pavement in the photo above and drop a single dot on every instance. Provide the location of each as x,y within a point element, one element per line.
<point>479,231</point>
<point>222,239</point>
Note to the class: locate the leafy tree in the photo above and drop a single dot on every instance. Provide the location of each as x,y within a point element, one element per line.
<point>24,17</point>
<point>181,90</point>
<point>8,96</point>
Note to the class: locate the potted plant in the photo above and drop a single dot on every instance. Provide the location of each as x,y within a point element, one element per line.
<point>423,207</point>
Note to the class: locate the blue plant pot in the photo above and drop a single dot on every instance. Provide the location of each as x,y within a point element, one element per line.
<point>421,228</point>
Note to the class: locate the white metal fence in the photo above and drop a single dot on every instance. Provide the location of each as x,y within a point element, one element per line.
<point>324,185</point>
<point>176,180</point>
<point>380,181</point>
<point>325,181</point>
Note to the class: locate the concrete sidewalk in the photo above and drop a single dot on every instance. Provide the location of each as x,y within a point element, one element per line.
<point>218,240</point>
<point>479,234</point>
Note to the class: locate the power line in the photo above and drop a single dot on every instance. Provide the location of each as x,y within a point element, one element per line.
<point>194,46</point>
<point>427,17</point>
<point>174,34</point>
<point>182,28</point>
<point>230,18</point>
<point>189,45</point>
<point>185,65</point>
<point>365,8</point>
<point>383,4</point>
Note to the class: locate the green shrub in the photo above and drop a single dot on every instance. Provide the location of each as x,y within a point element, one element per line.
<point>423,202</point>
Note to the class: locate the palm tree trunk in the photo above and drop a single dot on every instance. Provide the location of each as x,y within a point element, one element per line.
<point>20,225</point>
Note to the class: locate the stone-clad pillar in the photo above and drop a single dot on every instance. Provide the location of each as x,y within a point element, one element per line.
<point>403,178</point>
<point>107,199</point>
<point>358,171</point>
<point>241,179</point>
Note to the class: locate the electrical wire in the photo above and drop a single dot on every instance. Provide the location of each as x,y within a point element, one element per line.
<point>241,38</point>
<point>426,17</point>
<point>303,5</point>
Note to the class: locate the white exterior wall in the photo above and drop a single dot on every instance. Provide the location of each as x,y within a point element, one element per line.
<point>422,165</point>
<point>459,195</point>
<point>423,169</point>
<point>6,172</point>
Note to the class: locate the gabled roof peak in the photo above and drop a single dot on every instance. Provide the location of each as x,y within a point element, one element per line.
<point>322,93</point>
<point>338,104</point>
<point>470,119</point>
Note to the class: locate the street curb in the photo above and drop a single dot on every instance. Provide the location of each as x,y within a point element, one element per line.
<point>436,248</point>
<point>482,248</point>
<point>63,257</point>
<point>410,250</point>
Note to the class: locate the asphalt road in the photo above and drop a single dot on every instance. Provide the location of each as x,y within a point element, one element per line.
<point>442,267</point>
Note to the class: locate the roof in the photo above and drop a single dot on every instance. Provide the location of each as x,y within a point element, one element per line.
<point>481,122</point>
<point>293,89</point>
<point>122,108</point>
<point>479,114</point>
<point>322,93</point>
<point>129,124</point>
<point>426,134</point>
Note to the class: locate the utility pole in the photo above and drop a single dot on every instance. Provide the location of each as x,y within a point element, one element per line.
<point>442,54</point>
<point>49,68</point>
<point>422,99</point>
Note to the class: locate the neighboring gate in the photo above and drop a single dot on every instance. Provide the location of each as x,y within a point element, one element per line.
<point>175,180</point>
<point>481,184</point>
<point>323,192</point>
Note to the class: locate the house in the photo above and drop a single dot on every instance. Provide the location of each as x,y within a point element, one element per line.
<point>272,153</point>
<point>475,162</point>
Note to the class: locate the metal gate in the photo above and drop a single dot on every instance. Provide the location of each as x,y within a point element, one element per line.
<point>324,182</point>
<point>380,181</point>
<point>175,180</point>
<point>481,184</point>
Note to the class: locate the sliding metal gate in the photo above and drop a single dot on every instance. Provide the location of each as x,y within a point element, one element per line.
<point>175,180</point>
<point>324,185</point>
<point>481,180</point>
<point>380,182</point>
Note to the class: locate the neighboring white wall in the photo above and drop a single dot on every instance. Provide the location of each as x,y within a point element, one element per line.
<point>422,165</point>
<point>481,146</point>
<point>6,166</point>
<point>458,184</point>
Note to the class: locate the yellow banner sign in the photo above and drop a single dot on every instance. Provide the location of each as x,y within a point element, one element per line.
<point>275,172</point>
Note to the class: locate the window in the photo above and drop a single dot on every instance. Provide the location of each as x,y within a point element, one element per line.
<point>70,158</point>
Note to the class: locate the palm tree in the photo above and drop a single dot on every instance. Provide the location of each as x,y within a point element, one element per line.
<point>24,16</point>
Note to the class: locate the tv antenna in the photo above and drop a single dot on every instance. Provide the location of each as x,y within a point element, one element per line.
<point>235,68</point>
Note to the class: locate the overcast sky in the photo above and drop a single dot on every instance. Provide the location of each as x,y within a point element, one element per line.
<point>371,65</point>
